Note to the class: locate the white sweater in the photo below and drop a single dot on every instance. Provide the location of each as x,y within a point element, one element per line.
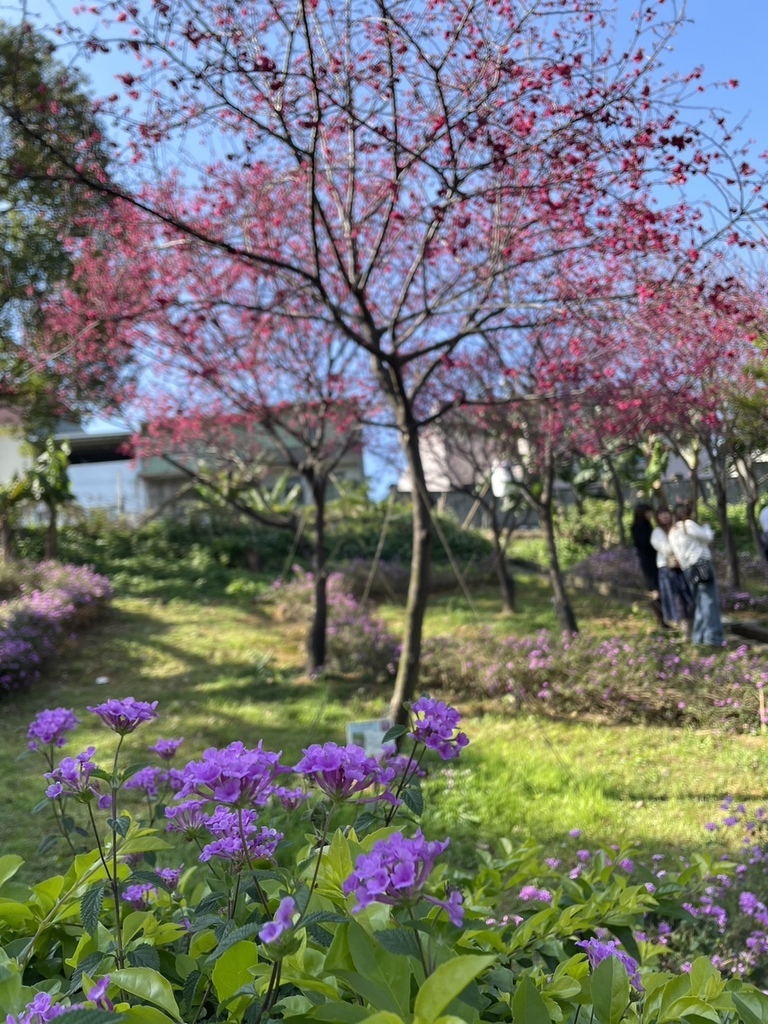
<point>690,542</point>
<point>660,541</point>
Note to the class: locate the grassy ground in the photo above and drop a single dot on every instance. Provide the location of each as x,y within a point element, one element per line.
<point>225,670</point>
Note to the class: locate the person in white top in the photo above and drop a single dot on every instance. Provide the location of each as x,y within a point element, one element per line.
<point>676,600</point>
<point>763,520</point>
<point>690,544</point>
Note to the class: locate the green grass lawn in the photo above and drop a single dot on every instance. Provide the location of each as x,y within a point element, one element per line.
<point>225,670</point>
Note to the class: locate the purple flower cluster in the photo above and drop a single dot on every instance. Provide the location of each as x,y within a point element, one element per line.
<point>166,749</point>
<point>41,1010</point>
<point>530,892</point>
<point>73,777</point>
<point>598,950</point>
<point>147,780</point>
<point>236,775</point>
<point>54,598</point>
<point>123,716</point>
<point>342,772</point>
<point>238,839</point>
<point>49,727</point>
<point>435,724</point>
<point>396,871</point>
<point>282,922</point>
<point>137,896</point>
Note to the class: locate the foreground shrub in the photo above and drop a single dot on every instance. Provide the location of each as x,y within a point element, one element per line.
<point>53,600</point>
<point>653,680</point>
<point>310,894</point>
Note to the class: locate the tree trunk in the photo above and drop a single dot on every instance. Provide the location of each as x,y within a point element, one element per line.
<point>754,526</point>
<point>7,552</point>
<point>731,554</point>
<point>52,534</point>
<point>506,581</point>
<point>407,678</point>
<point>620,502</point>
<point>318,630</point>
<point>563,609</point>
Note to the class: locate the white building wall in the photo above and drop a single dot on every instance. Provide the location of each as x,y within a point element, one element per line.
<point>115,486</point>
<point>11,459</point>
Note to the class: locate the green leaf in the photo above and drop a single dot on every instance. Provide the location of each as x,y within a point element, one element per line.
<point>445,984</point>
<point>147,984</point>
<point>119,825</point>
<point>144,1015</point>
<point>246,931</point>
<point>144,955</point>
<point>323,917</point>
<point>93,1017</point>
<point>610,990</point>
<point>401,941</point>
<point>143,844</point>
<point>90,907</point>
<point>394,733</point>
<point>234,969</point>
<point>413,800</point>
<point>383,1017</point>
<point>528,1007</point>
<point>751,1005</point>
<point>9,865</point>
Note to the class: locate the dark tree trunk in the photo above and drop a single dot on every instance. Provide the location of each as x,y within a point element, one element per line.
<point>620,502</point>
<point>504,576</point>
<point>563,609</point>
<point>754,526</point>
<point>7,550</point>
<point>407,678</point>
<point>318,631</point>
<point>731,554</point>
<point>52,534</point>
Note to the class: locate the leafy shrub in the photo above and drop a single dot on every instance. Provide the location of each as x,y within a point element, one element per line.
<point>321,900</point>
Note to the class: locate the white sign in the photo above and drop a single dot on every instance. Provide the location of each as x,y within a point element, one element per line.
<point>369,735</point>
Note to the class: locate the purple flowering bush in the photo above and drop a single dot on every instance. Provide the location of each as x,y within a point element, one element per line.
<point>359,643</point>
<point>243,889</point>
<point>53,600</point>
<point>646,679</point>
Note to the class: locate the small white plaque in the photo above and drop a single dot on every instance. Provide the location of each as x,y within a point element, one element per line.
<point>369,735</point>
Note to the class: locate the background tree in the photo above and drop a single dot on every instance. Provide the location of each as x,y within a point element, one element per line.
<point>429,183</point>
<point>45,110</point>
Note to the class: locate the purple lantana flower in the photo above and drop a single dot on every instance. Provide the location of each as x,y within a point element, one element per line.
<point>146,780</point>
<point>73,777</point>
<point>122,716</point>
<point>48,728</point>
<point>170,876</point>
<point>598,950</point>
<point>282,922</point>
<point>235,775</point>
<point>530,892</point>
<point>435,724</point>
<point>237,837</point>
<point>138,895</point>
<point>395,872</point>
<point>342,772</point>
<point>98,994</point>
<point>166,749</point>
<point>41,1010</point>
<point>187,818</point>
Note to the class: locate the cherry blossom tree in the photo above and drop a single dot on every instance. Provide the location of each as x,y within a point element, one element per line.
<point>437,185</point>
